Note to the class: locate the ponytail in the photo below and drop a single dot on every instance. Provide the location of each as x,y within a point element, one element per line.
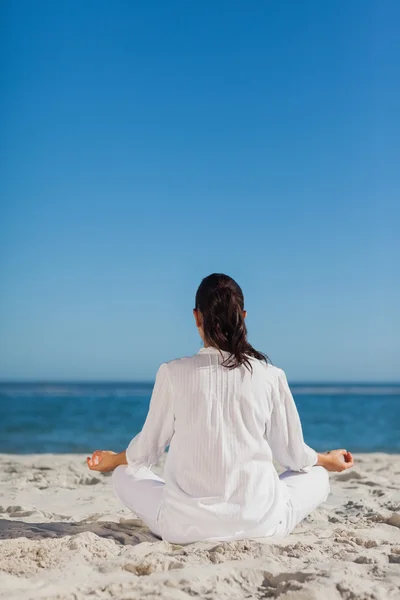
<point>220,300</point>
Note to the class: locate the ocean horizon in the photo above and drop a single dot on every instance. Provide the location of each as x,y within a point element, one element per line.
<point>81,416</point>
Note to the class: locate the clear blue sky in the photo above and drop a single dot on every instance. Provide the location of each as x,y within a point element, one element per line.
<point>146,145</point>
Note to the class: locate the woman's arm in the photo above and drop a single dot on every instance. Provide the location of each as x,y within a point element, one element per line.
<point>147,447</point>
<point>158,429</point>
<point>285,436</point>
<point>284,432</point>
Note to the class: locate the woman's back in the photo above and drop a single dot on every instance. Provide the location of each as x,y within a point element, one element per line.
<point>220,418</point>
<point>219,473</point>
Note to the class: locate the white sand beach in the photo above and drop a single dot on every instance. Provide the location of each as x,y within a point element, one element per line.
<point>64,536</point>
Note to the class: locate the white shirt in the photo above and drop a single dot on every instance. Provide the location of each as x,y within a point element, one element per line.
<point>224,427</point>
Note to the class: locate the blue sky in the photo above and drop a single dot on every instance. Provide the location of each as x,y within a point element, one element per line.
<point>149,144</point>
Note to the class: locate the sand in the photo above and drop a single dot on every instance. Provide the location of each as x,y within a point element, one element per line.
<point>64,536</point>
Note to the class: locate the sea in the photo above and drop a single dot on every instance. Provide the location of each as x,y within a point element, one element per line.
<point>82,417</point>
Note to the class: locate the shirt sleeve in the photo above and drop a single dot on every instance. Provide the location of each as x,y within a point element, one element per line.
<point>284,431</point>
<point>147,446</point>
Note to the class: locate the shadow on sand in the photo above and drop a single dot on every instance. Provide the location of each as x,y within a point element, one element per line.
<point>130,532</point>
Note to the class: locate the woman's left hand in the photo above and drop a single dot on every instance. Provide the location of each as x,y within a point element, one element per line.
<point>102,460</point>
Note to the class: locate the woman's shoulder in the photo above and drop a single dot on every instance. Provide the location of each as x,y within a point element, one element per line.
<point>178,363</point>
<point>272,372</point>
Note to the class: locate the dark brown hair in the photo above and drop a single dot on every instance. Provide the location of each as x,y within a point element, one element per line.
<point>220,300</point>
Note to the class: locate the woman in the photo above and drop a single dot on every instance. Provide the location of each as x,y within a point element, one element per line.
<point>226,413</point>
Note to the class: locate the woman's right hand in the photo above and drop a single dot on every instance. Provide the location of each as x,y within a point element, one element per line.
<point>102,460</point>
<point>336,460</point>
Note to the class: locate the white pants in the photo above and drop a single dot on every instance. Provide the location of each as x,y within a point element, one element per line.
<point>306,491</point>
<point>142,492</point>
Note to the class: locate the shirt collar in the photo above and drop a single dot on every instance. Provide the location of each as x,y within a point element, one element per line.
<point>213,350</point>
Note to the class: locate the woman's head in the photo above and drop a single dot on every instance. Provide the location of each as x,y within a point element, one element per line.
<point>220,318</point>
